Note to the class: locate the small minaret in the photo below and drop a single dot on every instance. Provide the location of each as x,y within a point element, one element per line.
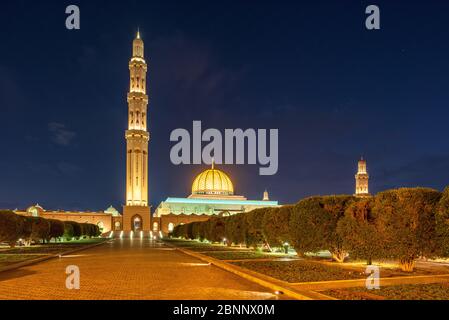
<point>361,180</point>
<point>266,197</point>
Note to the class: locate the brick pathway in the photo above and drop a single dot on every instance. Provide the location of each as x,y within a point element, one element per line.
<point>129,269</point>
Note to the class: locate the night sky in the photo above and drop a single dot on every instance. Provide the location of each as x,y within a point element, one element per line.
<point>311,69</point>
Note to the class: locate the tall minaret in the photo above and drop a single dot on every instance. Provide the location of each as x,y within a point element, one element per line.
<point>361,180</point>
<point>137,138</point>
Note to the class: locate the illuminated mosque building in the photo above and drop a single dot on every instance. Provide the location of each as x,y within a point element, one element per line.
<point>212,195</point>
<point>212,190</point>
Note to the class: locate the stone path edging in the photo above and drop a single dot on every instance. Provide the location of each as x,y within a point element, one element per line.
<point>263,280</point>
<point>48,257</point>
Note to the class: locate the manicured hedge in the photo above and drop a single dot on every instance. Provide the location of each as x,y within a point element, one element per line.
<point>403,224</point>
<point>36,229</point>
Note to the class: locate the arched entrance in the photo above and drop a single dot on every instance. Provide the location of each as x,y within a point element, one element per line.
<point>136,223</point>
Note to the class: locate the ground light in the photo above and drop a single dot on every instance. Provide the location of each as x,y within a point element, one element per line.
<point>121,235</point>
<point>141,234</point>
<point>112,234</point>
<point>131,235</point>
<point>278,292</point>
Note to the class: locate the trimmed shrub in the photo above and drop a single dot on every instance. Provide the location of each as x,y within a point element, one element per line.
<point>11,226</point>
<point>235,229</point>
<point>56,229</point>
<point>68,231</point>
<point>442,224</point>
<point>313,225</point>
<point>276,225</point>
<point>216,229</point>
<point>407,218</point>
<point>40,229</point>
<point>360,232</point>
<point>254,236</point>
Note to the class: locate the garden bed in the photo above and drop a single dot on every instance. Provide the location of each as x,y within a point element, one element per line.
<point>301,270</point>
<point>241,255</point>
<point>435,291</point>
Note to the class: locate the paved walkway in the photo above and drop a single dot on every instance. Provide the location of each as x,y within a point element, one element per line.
<point>129,269</point>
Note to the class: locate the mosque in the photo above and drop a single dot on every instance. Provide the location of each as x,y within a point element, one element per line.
<point>212,190</point>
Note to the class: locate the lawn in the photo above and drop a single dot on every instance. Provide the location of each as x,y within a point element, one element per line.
<point>10,256</point>
<point>6,260</point>
<point>51,248</point>
<point>436,291</point>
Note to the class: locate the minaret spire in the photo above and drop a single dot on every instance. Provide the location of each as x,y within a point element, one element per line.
<point>361,180</point>
<point>136,213</point>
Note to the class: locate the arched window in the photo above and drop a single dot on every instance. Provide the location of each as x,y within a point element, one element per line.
<point>100,225</point>
<point>118,225</point>
<point>171,227</point>
<point>155,227</point>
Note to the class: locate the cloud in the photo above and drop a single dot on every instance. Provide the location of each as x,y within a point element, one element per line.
<point>61,135</point>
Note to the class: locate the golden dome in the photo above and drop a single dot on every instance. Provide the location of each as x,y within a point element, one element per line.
<point>212,181</point>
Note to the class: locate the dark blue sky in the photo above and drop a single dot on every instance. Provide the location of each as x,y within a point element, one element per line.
<point>333,89</point>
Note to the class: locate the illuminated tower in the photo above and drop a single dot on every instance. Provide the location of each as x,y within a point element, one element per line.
<point>266,197</point>
<point>136,213</point>
<point>361,180</point>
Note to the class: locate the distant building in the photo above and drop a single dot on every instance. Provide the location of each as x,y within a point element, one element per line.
<point>361,180</point>
<point>107,220</point>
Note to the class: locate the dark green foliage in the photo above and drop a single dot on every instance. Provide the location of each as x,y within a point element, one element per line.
<point>401,224</point>
<point>236,229</point>
<point>40,229</point>
<point>313,225</point>
<point>11,226</point>
<point>276,225</point>
<point>406,218</point>
<point>442,223</point>
<point>68,230</point>
<point>56,229</point>
<point>216,229</point>
<point>254,228</point>
<point>360,233</point>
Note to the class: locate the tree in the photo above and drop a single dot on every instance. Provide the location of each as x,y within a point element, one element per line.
<point>56,229</point>
<point>216,229</point>
<point>77,231</point>
<point>40,229</point>
<point>407,219</point>
<point>276,225</point>
<point>196,230</point>
<point>68,231</point>
<point>359,231</point>
<point>442,224</point>
<point>254,228</point>
<point>313,225</point>
<point>235,229</point>
<point>10,227</point>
